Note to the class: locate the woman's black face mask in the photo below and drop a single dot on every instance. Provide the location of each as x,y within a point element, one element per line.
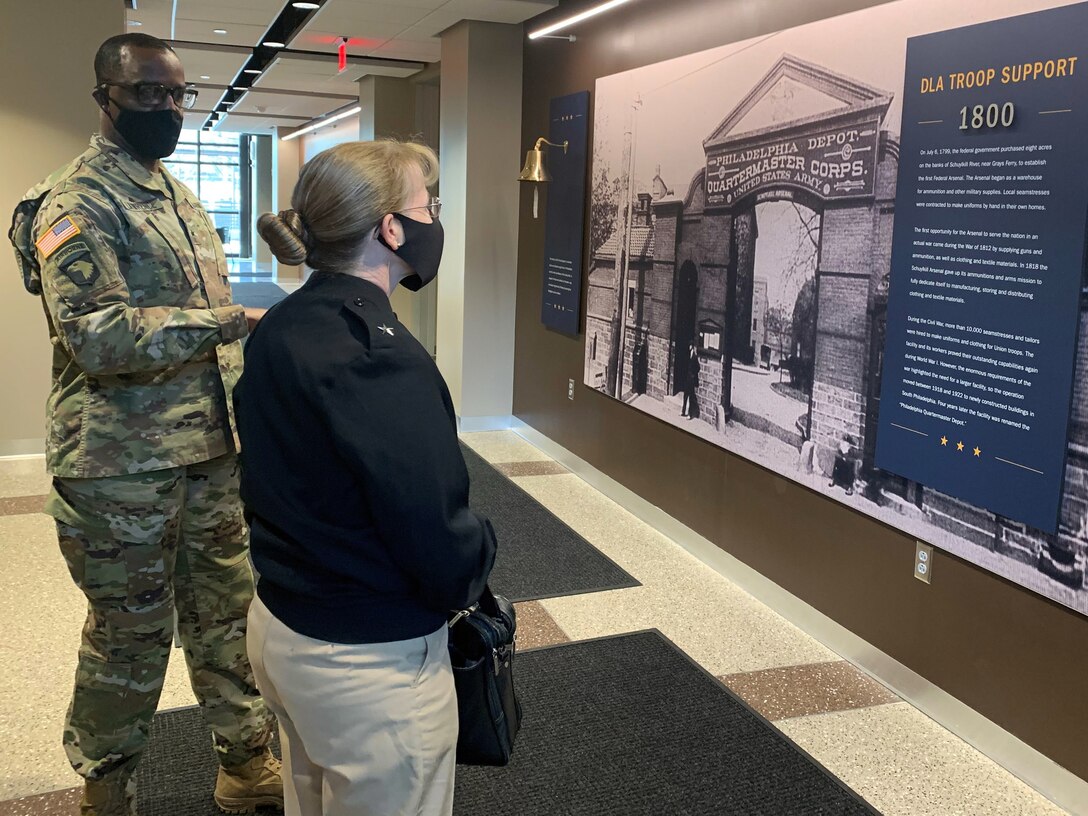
<point>421,250</point>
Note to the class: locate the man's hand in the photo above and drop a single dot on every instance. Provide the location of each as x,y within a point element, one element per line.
<point>253,316</point>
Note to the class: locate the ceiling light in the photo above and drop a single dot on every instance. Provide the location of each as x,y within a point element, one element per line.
<point>306,6</point>
<point>135,23</point>
<point>272,44</point>
<point>219,31</point>
<point>251,71</point>
<point>205,76</point>
<point>322,123</point>
<point>577,18</point>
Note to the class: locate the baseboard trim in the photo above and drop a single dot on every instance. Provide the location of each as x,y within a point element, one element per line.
<point>21,448</point>
<point>485,423</point>
<point>1026,763</point>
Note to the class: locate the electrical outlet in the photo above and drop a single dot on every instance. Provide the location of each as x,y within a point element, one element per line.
<point>570,389</point>
<point>923,561</point>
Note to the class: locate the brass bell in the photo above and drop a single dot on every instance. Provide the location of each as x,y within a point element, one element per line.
<point>534,169</point>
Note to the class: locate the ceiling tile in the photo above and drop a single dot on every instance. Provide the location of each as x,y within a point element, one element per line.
<point>247,124</point>
<point>346,15</point>
<point>432,25</point>
<point>361,41</point>
<point>201,31</point>
<point>298,74</point>
<point>357,72</point>
<point>154,15</point>
<point>272,104</point>
<point>220,66</point>
<point>406,49</point>
<point>249,12</point>
<point>498,11</point>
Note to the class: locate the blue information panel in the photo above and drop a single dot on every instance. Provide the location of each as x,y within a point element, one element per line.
<point>569,117</point>
<point>988,262</point>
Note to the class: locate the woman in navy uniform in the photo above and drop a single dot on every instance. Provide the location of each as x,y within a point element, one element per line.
<point>357,496</point>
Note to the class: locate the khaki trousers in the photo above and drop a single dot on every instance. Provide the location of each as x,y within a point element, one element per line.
<point>366,729</point>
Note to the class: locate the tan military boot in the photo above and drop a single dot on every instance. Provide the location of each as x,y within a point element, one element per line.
<point>246,787</point>
<point>109,797</point>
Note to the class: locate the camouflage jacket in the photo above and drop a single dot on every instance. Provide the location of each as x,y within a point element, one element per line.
<point>146,341</point>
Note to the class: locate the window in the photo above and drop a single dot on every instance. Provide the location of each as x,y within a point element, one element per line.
<point>632,299</point>
<point>215,166</point>
<point>710,337</point>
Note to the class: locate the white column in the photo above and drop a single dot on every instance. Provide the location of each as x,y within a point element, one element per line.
<point>263,168</point>
<point>480,141</point>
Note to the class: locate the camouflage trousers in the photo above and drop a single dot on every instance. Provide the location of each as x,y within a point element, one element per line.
<point>140,547</point>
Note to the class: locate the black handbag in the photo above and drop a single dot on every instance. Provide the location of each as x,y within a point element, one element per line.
<point>482,654</point>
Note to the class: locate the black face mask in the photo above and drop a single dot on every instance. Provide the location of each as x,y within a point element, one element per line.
<point>421,250</point>
<point>152,134</point>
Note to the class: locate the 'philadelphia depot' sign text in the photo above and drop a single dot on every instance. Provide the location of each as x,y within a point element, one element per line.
<point>832,164</point>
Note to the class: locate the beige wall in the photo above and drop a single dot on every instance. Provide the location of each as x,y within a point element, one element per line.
<point>480,142</point>
<point>46,119</point>
<point>346,130</point>
<point>404,109</point>
<point>287,160</point>
<point>453,143</point>
<point>388,105</point>
<point>428,121</point>
<point>286,165</point>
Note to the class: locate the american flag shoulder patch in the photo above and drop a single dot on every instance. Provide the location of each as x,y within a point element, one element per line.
<point>56,235</point>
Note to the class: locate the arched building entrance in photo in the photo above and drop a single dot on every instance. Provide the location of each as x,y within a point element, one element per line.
<point>694,275</point>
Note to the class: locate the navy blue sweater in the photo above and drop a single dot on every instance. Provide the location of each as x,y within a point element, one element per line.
<point>353,480</point>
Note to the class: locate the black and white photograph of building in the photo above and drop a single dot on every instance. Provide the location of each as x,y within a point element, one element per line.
<point>741,212</point>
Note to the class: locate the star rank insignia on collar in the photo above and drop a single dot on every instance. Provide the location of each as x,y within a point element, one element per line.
<point>387,329</point>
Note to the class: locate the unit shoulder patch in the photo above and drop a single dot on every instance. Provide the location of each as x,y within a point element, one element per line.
<point>56,236</point>
<point>75,261</point>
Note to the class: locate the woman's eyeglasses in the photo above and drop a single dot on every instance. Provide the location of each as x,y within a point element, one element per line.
<point>153,94</point>
<point>433,208</point>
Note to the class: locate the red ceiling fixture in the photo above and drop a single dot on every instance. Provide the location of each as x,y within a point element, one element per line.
<point>342,54</point>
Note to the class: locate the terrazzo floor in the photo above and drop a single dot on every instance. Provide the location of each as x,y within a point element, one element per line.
<point>902,762</point>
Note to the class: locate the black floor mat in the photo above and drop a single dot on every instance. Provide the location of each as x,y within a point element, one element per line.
<point>539,556</point>
<point>621,726</point>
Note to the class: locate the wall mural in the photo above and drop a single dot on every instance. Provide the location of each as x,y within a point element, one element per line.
<point>753,187</point>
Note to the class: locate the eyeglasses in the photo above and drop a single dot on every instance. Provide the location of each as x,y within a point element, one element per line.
<point>153,94</point>
<point>433,208</point>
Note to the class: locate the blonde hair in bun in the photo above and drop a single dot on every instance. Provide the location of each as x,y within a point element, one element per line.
<point>341,195</point>
<point>285,236</point>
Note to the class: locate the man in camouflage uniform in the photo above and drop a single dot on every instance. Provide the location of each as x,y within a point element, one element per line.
<point>141,439</point>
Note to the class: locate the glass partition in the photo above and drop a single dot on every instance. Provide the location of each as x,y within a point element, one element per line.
<point>215,166</point>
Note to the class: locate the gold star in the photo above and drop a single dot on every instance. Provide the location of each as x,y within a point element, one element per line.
<point>944,440</point>
<point>978,451</point>
<point>959,446</point>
